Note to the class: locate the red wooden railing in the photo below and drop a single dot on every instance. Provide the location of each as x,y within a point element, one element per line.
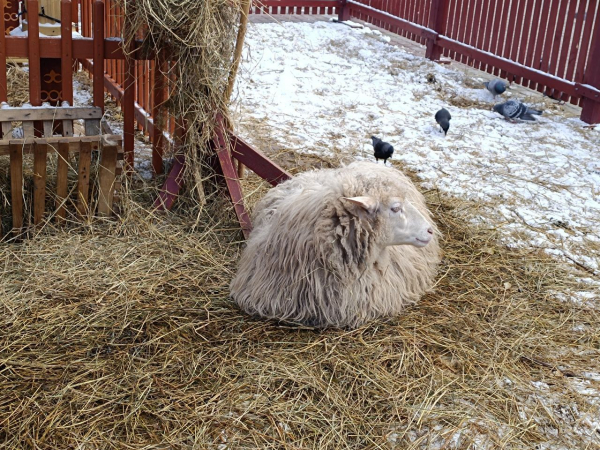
<point>552,46</point>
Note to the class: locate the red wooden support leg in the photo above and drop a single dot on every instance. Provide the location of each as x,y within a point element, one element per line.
<point>257,162</point>
<point>231,179</point>
<point>343,11</point>
<point>173,184</point>
<point>437,21</point>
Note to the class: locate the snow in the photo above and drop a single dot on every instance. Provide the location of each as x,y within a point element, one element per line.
<point>325,88</point>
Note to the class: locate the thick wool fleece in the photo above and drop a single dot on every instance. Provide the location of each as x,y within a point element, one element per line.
<point>317,259</point>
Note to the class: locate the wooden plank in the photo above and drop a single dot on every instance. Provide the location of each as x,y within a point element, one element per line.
<point>233,183</point>
<point>158,114</point>
<point>534,49</point>
<point>28,129</point>
<point>107,174</point>
<point>33,40</point>
<point>513,34</point>
<point>128,113</point>
<point>66,61</point>
<point>3,79</point>
<point>27,144</point>
<point>525,41</point>
<point>98,74</point>
<point>67,128</point>
<point>49,113</point>
<point>92,127</point>
<point>83,181</point>
<point>586,41</point>
<point>590,105</point>
<point>62,171</point>
<point>48,128</point>
<point>39,181</point>
<point>477,29</point>
<point>579,16</point>
<point>549,41</point>
<point>16,187</point>
<point>257,161</point>
<point>172,185</point>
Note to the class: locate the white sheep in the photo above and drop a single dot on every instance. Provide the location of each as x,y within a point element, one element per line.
<point>337,248</point>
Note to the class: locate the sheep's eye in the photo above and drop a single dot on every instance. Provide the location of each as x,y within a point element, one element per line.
<point>396,208</point>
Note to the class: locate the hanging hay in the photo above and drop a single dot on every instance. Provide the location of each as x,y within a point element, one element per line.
<point>199,39</point>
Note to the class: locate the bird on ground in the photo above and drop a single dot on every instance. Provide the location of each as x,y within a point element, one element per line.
<point>496,86</point>
<point>514,109</point>
<point>442,117</point>
<point>382,150</point>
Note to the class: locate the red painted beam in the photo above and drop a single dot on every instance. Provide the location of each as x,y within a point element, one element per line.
<point>357,9</point>
<point>3,79</point>
<point>231,179</point>
<point>257,161</point>
<point>33,47</point>
<point>83,48</point>
<point>508,66</point>
<point>98,42</point>
<point>172,185</point>
<point>66,58</point>
<point>298,3</point>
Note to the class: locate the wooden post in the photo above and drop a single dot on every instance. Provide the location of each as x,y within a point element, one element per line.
<point>98,75</point>
<point>16,186</point>
<point>62,180</point>
<point>83,183</point>
<point>106,174</point>
<point>159,118</point>
<point>35,81</point>
<point>590,106</point>
<point>128,113</point>
<point>3,80</point>
<point>438,16</point>
<point>39,181</point>
<point>66,60</point>
<point>343,11</point>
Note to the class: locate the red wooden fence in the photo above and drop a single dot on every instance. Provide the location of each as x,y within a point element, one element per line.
<point>552,46</point>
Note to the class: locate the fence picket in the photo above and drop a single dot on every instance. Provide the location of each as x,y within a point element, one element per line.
<point>40,153</point>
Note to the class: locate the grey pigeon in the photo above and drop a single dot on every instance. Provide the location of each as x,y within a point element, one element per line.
<point>383,150</point>
<point>496,86</point>
<point>514,109</point>
<point>442,117</point>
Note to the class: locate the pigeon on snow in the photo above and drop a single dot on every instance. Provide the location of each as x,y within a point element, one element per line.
<point>514,109</point>
<point>382,150</point>
<point>442,117</point>
<point>496,86</point>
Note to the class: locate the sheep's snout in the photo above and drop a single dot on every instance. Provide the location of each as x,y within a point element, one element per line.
<point>410,227</point>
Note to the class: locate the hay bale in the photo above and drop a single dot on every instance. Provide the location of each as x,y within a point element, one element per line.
<point>199,37</point>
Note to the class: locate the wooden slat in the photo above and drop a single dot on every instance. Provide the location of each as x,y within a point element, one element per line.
<point>33,41</point>
<point>534,49</point>
<point>39,181</point>
<point>98,78</point>
<point>92,127</point>
<point>512,36</point>
<point>27,144</point>
<point>67,128</point>
<point>525,34</point>
<point>579,17</point>
<point>128,113</point>
<point>48,128</point>
<point>106,174</point>
<point>49,113</point>
<point>62,171</point>
<point>16,187</point>
<point>3,79</point>
<point>66,60</point>
<point>549,42</point>
<point>477,32</point>
<point>28,129</point>
<point>586,40</point>
<point>83,181</point>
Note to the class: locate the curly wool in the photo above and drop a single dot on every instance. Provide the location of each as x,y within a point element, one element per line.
<point>315,259</point>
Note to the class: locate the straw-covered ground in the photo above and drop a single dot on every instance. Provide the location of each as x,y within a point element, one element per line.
<point>119,333</point>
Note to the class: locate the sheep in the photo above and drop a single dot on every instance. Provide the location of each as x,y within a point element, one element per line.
<point>336,248</point>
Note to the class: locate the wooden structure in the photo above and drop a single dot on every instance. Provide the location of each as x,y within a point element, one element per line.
<point>40,143</point>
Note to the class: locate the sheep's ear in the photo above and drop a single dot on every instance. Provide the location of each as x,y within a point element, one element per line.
<point>369,204</point>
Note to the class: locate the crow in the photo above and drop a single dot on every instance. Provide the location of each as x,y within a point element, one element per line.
<point>514,109</point>
<point>382,150</point>
<point>442,117</point>
<point>496,86</point>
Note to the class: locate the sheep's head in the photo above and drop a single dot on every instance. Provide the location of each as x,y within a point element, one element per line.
<point>402,223</point>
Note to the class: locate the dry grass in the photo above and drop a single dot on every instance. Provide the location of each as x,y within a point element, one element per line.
<point>120,334</point>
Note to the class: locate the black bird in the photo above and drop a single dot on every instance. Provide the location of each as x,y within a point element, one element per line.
<point>442,117</point>
<point>383,150</point>
<point>514,109</point>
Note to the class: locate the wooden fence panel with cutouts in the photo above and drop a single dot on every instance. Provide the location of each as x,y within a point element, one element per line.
<point>75,135</point>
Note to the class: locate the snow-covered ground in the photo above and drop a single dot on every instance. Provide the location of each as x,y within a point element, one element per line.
<point>326,88</point>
